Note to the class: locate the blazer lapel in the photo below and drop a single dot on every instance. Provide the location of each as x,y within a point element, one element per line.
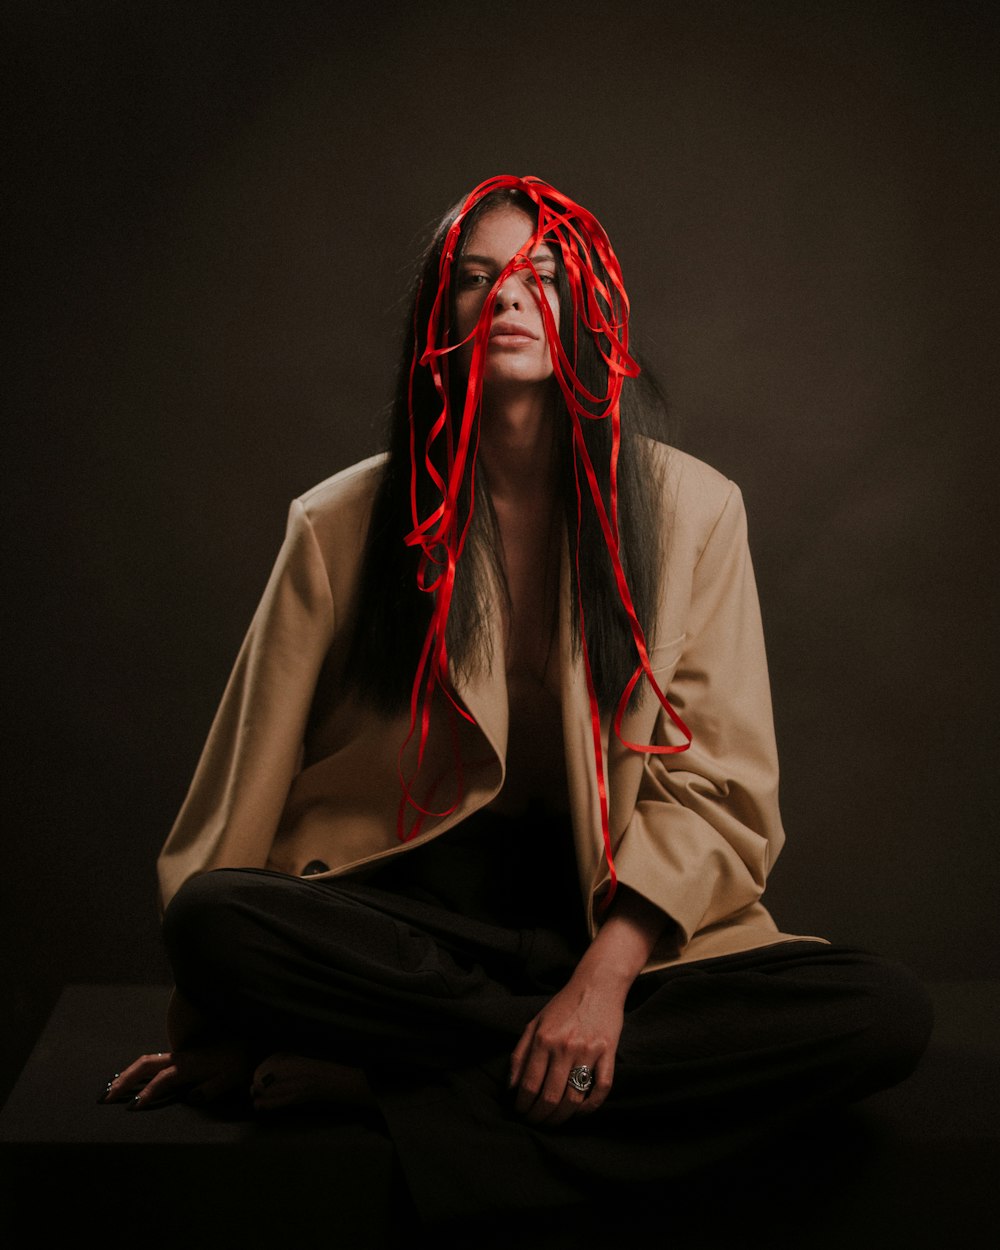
<point>484,694</point>
<point>578,739</point>
<point>485,697</point>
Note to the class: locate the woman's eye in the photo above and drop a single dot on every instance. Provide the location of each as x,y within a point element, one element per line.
<point>475,279</point>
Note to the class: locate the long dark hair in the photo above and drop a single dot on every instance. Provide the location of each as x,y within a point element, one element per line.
<point>393,613</point>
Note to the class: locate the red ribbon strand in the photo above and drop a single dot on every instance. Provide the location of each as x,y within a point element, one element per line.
<point>600,308</point>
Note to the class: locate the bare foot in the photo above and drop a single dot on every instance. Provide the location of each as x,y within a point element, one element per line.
<point>285,1080</point>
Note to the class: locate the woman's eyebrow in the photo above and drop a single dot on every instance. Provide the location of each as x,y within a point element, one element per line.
<point>474,258</point>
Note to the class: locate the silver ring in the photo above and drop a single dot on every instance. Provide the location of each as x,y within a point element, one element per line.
<point>581,1078</point>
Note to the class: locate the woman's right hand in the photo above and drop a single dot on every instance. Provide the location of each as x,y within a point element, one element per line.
<point>197,1075</point>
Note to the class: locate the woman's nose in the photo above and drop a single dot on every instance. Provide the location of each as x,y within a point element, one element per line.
<point>510,295</point>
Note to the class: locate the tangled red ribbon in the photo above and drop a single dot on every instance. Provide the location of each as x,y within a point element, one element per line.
<point>601,307</point>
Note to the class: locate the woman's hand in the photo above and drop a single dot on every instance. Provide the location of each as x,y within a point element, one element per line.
<point>580,1026</point>
<point>200,1074</point>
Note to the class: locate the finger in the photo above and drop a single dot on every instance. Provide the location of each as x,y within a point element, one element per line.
<point>163,1088</point>
<point>125,1084</point>
<point>572,1102</point>
<point>604,1075</point>
<point>520,1053</point>
<point>532,1079</point>
<point>553,1091</point>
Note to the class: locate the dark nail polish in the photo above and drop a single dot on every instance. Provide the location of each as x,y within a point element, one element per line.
<point>135,1105</point>
<point>107,1090</point>
<point>267,1079</point>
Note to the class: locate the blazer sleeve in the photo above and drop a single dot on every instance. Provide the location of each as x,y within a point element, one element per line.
<point>706,825</point>
<point>253,752</point>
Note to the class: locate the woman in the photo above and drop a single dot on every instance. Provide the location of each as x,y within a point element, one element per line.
<point>491,797</point>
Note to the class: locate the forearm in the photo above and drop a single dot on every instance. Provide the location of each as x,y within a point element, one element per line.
<point>579,1028</point>
<point>623,944</point>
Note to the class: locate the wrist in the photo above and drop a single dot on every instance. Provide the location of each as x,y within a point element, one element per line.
<point>623,944</point>
<point>608,977</point>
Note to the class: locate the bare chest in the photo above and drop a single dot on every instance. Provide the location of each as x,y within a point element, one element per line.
<point>535,758</point>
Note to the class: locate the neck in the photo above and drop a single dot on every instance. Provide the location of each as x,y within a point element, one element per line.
<point>517,447</point>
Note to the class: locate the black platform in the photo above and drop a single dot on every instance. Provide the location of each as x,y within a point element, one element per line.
<point>915,1166</point>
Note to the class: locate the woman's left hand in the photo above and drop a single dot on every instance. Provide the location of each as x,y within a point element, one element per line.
<point>196,1074</point>
<point>580,1026</point>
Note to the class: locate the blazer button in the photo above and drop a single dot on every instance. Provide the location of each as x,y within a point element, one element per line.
<point>313,867</point>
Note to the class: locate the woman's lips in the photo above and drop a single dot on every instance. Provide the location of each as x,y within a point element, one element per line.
<point>511,335</point>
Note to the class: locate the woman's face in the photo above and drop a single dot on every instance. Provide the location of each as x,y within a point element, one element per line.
<point>518,353</point>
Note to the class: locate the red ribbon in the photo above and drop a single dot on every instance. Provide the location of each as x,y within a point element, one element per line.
<point>603,311</point>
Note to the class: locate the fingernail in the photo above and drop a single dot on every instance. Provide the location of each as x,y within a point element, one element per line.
<point>267,1079</point>
<point>154,1104</point>
<point>107,1088</point>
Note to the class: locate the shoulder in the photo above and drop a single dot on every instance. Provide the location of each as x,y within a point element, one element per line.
<point>349,488</point>
<point>694,478</point>
<point>328,525</point>
<point>338,508</point>
<point>695,495</point>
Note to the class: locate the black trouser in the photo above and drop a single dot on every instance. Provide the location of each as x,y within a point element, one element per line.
<point>430,1001</point>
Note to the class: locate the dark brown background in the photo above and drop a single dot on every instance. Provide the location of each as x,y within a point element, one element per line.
<point>212,212</point>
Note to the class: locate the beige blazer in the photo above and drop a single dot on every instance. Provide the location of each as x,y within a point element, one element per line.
<point>289,775</point>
